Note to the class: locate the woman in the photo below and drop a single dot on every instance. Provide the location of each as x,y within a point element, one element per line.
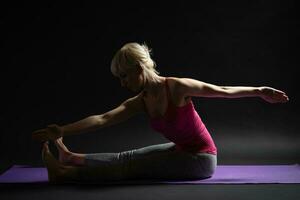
<point>191,152</point>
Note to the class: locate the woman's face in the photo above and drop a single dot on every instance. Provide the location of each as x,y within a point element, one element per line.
<point>132,79</point>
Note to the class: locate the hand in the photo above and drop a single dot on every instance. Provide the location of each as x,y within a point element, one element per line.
<point>272,95</point>
<point>52,132</point>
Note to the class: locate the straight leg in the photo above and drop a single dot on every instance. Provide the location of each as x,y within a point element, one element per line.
<point>161,161</point>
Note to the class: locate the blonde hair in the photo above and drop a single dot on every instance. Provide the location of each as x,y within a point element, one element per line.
<point>132,55</point>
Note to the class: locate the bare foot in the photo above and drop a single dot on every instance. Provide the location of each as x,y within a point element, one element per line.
<point>64,154</point>
<point>55,169</point>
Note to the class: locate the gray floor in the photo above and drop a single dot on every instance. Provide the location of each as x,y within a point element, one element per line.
<point>274,192</point>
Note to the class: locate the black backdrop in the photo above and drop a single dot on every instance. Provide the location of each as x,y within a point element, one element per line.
<point>56,69</point>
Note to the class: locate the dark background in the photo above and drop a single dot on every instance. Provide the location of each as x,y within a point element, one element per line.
<point>56,69</point>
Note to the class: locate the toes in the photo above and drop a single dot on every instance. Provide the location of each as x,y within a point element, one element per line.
<point>58,141</point>
<point>45,149</point>
<point>48,158</point>
<point>45,145</point>
<point>61,146</point>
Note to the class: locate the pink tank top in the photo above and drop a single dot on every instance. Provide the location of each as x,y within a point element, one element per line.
<point>183,126</point>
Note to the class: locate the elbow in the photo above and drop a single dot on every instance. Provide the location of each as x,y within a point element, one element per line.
<point>224,92</point>
<point>224,89</point>
<point>99,120</point>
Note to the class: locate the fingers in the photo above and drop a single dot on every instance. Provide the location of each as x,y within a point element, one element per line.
<point>53,127</point>
<point>282,97</point>
<point>285,97</point>
<point>276,96</point>
<point>52,132</point>
<point>279,91</point>
<point>55,131</point>
<point>279,96</point>
<point>39,135</point>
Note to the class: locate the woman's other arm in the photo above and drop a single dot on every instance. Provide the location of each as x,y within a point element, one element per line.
<point>192,87</point>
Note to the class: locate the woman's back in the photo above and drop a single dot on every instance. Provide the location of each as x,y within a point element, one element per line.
<point>183,126</point>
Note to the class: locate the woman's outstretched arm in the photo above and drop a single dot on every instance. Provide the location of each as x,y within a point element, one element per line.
<point>192,87</point>
<point>123,112</point>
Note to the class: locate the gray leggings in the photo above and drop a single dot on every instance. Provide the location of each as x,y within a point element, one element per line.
<point>156,162</point>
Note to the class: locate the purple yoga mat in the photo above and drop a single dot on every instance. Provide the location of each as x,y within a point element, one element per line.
<point>224,174</point>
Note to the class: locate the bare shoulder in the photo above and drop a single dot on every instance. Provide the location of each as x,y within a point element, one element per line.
<point>135,103</point>
<point>182,80</point>
<point>179,85</point>
<point>179,80</point>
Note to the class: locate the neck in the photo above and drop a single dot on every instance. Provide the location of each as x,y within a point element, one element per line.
<point>153,87</point>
